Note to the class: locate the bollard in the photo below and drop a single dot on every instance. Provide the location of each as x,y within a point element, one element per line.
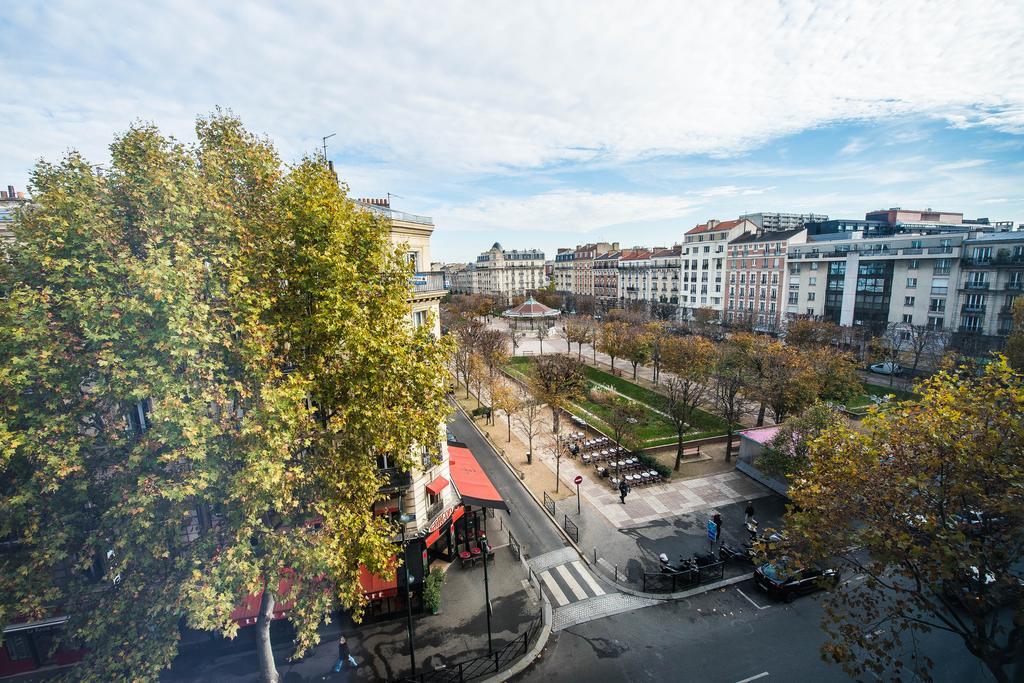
<point>616,573</point>
<point>595,554</point>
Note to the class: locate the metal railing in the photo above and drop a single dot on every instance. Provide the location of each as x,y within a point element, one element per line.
<point>428,282</point>
<point>481,666</point>
<point>397,215</point>
<point>394,478</point>
<point>549,504</point>
<point>513,545</point>
<point>661,582</point>
<point>571,529</point>
<point>975,284</point>
<point>973,308</point>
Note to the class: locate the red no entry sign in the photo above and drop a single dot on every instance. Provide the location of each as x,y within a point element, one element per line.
<point>578,479</point>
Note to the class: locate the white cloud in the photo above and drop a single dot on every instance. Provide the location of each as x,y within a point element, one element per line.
<point>485,87</point>
<point>854,146</point>
<point>567,211</point>
<point>962,164</point>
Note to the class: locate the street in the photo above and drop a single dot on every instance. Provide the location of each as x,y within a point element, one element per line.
<point>728,635</point>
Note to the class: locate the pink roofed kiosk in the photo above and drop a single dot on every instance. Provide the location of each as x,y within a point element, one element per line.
<point>530,310</point>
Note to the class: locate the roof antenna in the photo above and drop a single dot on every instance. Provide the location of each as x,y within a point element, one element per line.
<point>324,139</point>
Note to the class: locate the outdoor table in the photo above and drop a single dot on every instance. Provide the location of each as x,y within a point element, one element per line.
<point>586,459</point>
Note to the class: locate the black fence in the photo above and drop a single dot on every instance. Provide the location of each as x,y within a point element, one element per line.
<point>549,504</point>
<point>673,582</point>
<point>571,529</point>
<point>484,665</point>
<point>513,545</point>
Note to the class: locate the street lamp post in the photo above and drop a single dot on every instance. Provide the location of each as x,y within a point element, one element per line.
<point>403,519</point>
<point>487,591</point>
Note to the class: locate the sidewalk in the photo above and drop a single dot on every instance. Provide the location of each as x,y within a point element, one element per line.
<point>457,633</point>
<point>629,550</point>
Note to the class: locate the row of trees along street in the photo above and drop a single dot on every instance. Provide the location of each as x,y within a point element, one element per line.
<point>202,353</point>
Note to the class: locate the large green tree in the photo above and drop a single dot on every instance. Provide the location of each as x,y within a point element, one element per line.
<point>202,353</point>
<point>926,500</point>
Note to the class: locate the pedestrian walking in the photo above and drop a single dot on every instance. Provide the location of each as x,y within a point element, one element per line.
<point>717,519</point>
<point>749,512</point>
<point>344,654</point>
<point>623,491</point>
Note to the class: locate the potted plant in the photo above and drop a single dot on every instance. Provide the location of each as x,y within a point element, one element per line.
<point>432,589</point>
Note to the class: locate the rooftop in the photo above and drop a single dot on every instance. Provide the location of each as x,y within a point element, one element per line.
<point>778,236</point>
<point>716,226</point>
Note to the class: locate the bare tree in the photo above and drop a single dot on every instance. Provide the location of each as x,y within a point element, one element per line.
<point>557,380</point>
<point>691,360</point>
<point>890,346</point>
<point>543,329</point>
<point>925,343</point>
<point>530,420</point>
<point>730,377</point>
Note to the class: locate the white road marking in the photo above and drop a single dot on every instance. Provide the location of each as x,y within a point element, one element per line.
<point>574,585</point>
<point>758,607</point>
<point>597,590</point>
<point>753,678</point>
<point>553,588</point>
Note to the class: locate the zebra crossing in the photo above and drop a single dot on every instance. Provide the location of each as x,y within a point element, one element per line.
<point>570,582</point>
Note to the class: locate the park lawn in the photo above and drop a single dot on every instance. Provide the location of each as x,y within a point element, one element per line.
<point>655,429</point>
<point>862,401</point>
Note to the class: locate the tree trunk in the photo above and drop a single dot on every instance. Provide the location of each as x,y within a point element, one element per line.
<point>529,453</point>
<point>760,415</point>
<point>541,339</point>
<point>728,444</point>
<point>568,346</point>
<point>634,370</point>
<point>579,350</point>
<point>613,364</point>
<point>679,451</point>
<point>268,670</point>
<point>509,415</point>
<point>554,419</point>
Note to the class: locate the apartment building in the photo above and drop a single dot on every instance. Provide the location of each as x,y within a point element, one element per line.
<point>849,279</point>
<point>634,273</point>
<point>606,278</point>
<point>756,267</point>
<point>562,269</point>
<point>665,269</point>
<point>10,202</point>
<point>425,491</point>
<point>703,263</point>
<point>583,266</point>
<point>767,220</point>
<point>991,277</point>
<point>507,274</point>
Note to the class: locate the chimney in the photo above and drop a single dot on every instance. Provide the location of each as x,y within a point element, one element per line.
<point>10,192</point>
<point>712,222</point>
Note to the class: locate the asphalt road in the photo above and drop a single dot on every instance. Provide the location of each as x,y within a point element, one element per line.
<point>719,637</point>
<point>531,526</point>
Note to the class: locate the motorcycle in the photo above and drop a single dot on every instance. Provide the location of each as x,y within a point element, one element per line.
<point>704,559</point>
<point>728,553</point>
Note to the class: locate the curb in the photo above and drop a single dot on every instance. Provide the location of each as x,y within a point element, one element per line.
<point>526,660</point>
<point>681,595</point>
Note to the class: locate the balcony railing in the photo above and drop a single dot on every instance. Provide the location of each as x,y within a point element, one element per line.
<point>941,271</point>
<point>993,261</point>
<point>970,329</point>
<point>393,478</point>
<point>973,308</point>
<point>911,251</point>
<point>940,250</point>
<point>397,215</point>
<point>974,284</point>
<point>1015,285</point>
<point>428,282</point>
<point>1006,311</point>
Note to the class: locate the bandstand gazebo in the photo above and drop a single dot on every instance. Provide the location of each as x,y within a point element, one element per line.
<point>531,310</point>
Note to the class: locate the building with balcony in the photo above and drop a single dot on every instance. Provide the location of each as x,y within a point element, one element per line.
<point>561,270</point>
<point>768,220</point>
<point>634,274</point>
<point>507,274</point>
<point>583,266</point>
<point>665,271</point>
<point>850,279</point>
<point>991,278</point>
<point>10,202</point>
<point>756,268</point>
<point>704,261</point>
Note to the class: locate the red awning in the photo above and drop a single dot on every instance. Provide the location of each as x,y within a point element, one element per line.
<point>435,487</point>
<point>376,587</point>
<point>245,614</point>
<point>474,486</point>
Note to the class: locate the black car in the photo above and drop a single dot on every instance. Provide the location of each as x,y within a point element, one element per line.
<point>783,583</point>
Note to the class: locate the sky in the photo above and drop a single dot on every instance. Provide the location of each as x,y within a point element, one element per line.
<point>549,124</point>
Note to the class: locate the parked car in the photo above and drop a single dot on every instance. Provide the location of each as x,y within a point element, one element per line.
<point>887,368</point>
<point>782,583</point>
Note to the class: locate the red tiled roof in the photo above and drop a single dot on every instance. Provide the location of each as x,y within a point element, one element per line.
<point>723,226</point>
<point>530,309</point>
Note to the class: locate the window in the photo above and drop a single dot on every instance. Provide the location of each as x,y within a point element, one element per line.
<point>17,646</point>
<point>937,306</point>
<point>908,318</point>
<point>419,319</point>
<point>914,264</point>
<point>810,296</point>
<point>413,258</point>
<point>934,323</point>
<point>811,281</point>
<point>908,301</point>
<point>915,244</point>
<point>793,296</point>
<point>810,311</point>
<point>911,282</point>
<point>814,266</point>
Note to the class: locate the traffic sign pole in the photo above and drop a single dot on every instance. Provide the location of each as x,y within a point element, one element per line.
<point>578,480</point>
